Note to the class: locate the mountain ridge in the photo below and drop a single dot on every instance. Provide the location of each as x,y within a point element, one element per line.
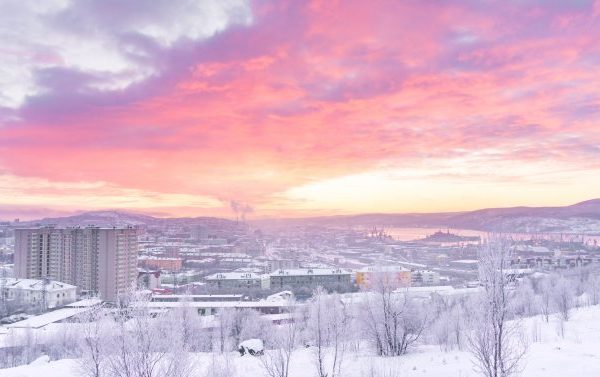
<point>520,218</point>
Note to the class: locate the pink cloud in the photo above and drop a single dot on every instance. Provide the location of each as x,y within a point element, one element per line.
<point>321,90</point>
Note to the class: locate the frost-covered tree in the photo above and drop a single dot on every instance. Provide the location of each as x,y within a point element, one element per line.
<point>234,325</point>
<point>140,346</point>
<point>327,326</point>
<point>448,328</point>
<point>94,326</point>
<point>496,344</point>
<point>525,300</point>
<point>544,298</point>
<point>563,295</point>
<point>276,362</point>
<point>592,288</point>
<point>393,321</point>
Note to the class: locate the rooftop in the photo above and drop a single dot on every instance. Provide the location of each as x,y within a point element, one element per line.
<point>47,318</point>
<point>383,269</point>
<point>233,276</point>
<point>311,272</point>
<point>34,285</point>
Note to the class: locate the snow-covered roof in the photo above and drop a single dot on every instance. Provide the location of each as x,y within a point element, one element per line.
<point>519,271</point>
<point>197,297</point>
<point>233,276</point>
<point>85,303</point>
<point>281,296</point>
<point>431,289</point>
<point>153,257</point>
<point>391,268</point>
<point>47,318</point>
<point>216,304</point>
<point>35,285</point>
<point>311,272</point>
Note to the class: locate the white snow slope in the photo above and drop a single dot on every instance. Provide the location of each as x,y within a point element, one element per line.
<point>577,355</point>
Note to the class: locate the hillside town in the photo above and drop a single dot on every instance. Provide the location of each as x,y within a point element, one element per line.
<point>47,267</point>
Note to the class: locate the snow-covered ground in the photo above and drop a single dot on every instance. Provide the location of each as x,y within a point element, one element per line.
<point>577,355</point>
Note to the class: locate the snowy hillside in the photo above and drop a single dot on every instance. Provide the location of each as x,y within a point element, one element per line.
<point>577,355</point>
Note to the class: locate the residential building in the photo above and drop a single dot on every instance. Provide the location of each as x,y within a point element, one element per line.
<point>281,264</point>
<point>395,276</point>
<point>309,278</point>
<point>148,279</point>
<point>36,294</point>
<point>99,261</point>
<point>235,280</point>
<point>161,263</point>
<point>425,277</point>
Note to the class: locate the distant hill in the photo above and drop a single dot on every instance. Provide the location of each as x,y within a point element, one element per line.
<point>122,218</point>
<point>582,217</point>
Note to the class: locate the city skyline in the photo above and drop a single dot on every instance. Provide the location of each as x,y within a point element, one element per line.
<point>286,109</point>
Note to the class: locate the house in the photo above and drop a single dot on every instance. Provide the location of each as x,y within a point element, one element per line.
<point>36,294</point>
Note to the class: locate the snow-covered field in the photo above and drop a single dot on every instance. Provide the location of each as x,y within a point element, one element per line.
<point>577,355</point>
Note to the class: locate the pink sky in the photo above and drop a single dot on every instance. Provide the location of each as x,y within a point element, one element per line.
<point>297,108</point>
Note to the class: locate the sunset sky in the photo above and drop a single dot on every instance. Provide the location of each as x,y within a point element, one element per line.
<point>293,108</point>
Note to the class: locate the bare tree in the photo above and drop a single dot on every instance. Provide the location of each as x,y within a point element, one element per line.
<point>277,361</point>
<point>495,343</point>
<point>92,343</point>
<point>562,297</point>
<point>448,328</point>
<point>140,346</point>
<point>393,321</point>
<point>592,288</point>
<point>327,326</point>
<point>545,298</point>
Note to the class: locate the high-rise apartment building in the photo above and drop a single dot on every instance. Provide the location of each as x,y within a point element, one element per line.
<point>97,260</point>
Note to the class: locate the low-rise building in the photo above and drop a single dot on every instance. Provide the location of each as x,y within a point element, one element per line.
<point>281,264</point>
<point>148,279</point>
<point>310,278</point>
<point>234,280</point>
<point>36,294</point>
<point>425,277</point>
<point>396,276</point>
<point>161,263</point>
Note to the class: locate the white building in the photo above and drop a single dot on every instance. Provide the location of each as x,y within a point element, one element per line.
<point>45,294</point>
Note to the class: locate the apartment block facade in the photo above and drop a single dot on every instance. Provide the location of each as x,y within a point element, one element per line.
<point>97,260</point>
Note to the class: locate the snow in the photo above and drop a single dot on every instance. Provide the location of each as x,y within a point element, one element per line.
<point>310,272</point>
<point>47,318</point>
<point>44,359</point>
<point>575,355</point>
<point>252,344</point>
<point>85,303</point>
<point>36,285</point>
